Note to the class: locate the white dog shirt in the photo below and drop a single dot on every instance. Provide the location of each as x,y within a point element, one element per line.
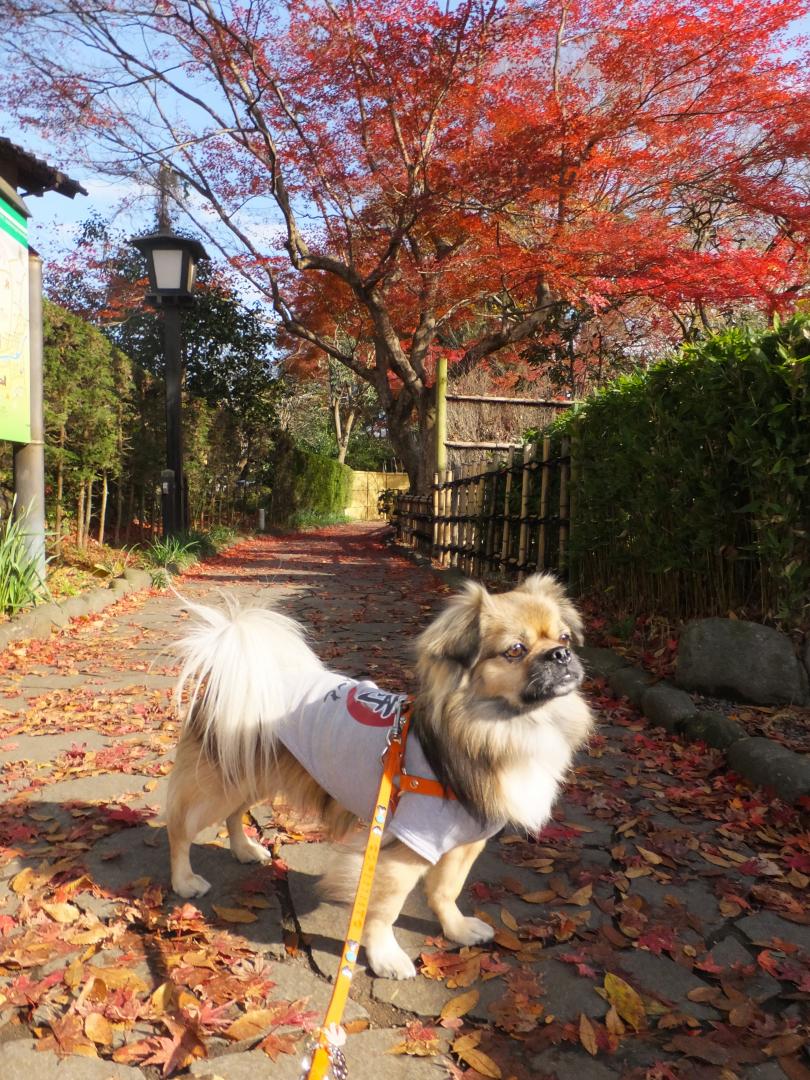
<point>338,733</point>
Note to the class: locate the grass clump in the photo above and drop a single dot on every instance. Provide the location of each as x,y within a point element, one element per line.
<point>21,583</point>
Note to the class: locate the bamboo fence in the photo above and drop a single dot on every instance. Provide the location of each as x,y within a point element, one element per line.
<point>507,519</point>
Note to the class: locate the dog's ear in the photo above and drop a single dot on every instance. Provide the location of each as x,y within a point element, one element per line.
<point>547,586</point>
<point>456,633</point>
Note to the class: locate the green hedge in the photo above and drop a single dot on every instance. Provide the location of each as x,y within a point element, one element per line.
<point>691,490</point>
<point>308,489</point>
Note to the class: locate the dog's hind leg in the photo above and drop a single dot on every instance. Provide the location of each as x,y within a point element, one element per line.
<point>243,847</point>
<point>197,798</point>
<point>443,885</point>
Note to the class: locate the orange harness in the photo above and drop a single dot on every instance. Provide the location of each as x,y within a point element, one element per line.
<point>394,783</point>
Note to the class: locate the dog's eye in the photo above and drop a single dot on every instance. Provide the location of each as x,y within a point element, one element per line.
<point>565,639</point>
<point>516,651</point>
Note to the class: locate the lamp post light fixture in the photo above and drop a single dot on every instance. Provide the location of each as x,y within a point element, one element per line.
<point>172,263</point>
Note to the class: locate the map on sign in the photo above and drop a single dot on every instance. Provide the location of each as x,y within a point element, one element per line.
<point>15,395</point>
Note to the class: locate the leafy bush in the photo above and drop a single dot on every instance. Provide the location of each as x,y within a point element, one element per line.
<point>308,489</point>
<point>173,552</point>
<point>20,581</point>
<point>220,536</point>
<point>691,480</point>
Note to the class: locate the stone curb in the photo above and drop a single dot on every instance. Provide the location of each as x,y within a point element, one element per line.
<point>763,762</point>
<point>38,622</point>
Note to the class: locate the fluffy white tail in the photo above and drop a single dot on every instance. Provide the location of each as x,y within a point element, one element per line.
<point>244,667</point>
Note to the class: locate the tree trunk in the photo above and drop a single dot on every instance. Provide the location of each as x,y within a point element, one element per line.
<point>60,484</point>
<point>344,433</point>
<point>102,513</point>
<point>119,510</point>
<point>414,436</point>
<point>80,515</point>
<point>130,510</point>
<point>88,511</point>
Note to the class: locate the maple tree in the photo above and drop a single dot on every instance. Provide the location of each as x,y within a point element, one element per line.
<point>448,178</point>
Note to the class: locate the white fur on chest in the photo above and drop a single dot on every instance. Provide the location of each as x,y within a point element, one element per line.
<point>529,788</point>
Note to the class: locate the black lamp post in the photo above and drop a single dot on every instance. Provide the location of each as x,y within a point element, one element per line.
<point>172,262</point>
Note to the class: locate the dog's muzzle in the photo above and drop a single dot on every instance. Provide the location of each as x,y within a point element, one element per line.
<point>553,674</point>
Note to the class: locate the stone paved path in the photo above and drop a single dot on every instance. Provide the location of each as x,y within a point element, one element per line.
<point>657,929</point>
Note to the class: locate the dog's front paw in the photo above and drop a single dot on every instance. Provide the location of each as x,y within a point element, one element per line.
<point>469,931</point>
<point>192,885</point>
<point>390,962</point>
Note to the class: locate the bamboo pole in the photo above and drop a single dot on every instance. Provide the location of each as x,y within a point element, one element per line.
<point>507,524</point>
<point>464,524</point>
<point>562,559</point>
<point>454,527</point>
<point>448,510</point>
<point>441,414</point>
<point>574,477</point>
<point>528,454</point>
<point>544,486</point>
<point>479,533</point>
<point>491,489</point>
<point>435,540</point>
<point>469,510</point>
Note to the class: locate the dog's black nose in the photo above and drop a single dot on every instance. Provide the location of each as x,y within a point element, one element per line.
<point>560,655</point>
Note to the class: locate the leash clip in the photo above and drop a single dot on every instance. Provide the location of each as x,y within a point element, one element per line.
<point>394,733</point>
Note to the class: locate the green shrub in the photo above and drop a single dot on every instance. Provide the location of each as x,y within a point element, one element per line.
<point>20,581</point>
<point>691,486</point>
<point>308,489</point>
<point>173,552</point>
<point>220,536</point>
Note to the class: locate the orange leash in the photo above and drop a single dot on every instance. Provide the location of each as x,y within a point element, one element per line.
<point>394,782</point>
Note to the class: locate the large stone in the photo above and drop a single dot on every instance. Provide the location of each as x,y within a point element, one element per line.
<point>98,599</point>
<point>120,586</point>
<point>54,612</point>
<point>74,606</point>
<point>630,683</point>
<point>742,660</point>
<point>771,765</point>
<point>140,579</point>
<point>600,662</point>
<point>667,706</point>
<point>713,728</point>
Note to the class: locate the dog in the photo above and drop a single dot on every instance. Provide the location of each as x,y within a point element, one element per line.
<point>496,719</point>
